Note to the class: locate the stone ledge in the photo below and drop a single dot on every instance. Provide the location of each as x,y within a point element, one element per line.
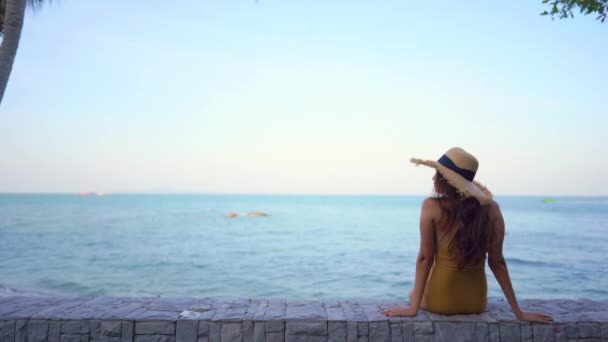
<point>114,319</point>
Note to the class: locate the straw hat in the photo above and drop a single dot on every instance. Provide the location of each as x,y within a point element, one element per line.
<point>459,167</point>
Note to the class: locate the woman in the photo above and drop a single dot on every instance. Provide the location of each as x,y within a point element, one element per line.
<point>459,226</point>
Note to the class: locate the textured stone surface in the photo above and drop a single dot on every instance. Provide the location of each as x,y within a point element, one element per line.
<point>154,338</point>
<point>155,327</point>
<point>259,334</point>
<point>111,328</point>
<point>379,331</point>
<point>7,331</point>
<point>586,330</point>
<point>186,331</point>
<point>423,328</point>
<point>509,331</point>
<point>481,329</point>
<point>407,331</point>
<point>336,331</point>
<point>559,333</point>
<point>232,332</point>
<point>54,331</point>
<point>37,330</point>
<point>71,327</point>
<point>70,338</point>
<point>542,332</point>
<point>526,333</point>
<point>493,332</point>
<point>305,328</point>
<point>275,337</point>
<point>128,330</point>
<point>107,319</point>
<point>454,331</point>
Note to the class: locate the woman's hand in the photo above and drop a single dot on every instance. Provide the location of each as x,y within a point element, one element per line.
<point>401,311</point>
<point>534,317</point>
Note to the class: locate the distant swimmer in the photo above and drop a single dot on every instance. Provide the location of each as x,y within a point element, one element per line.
<point>257,213</point>
<point>232,215</point>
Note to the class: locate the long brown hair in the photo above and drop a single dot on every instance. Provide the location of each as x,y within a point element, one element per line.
<point>468,220</point>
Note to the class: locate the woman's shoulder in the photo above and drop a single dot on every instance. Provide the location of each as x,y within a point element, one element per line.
<point>431,204</point>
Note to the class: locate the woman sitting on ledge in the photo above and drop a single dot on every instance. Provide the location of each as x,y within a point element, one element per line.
<point>459,226</point>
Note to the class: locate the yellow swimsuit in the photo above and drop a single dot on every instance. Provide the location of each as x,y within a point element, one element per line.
<point>452,291</point>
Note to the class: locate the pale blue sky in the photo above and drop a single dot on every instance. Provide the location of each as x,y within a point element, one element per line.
<point>303,97</point>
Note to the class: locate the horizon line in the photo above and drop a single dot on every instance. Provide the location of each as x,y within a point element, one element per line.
<point>121,193</point>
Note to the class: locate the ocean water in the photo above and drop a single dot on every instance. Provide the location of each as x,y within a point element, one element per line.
<point>310,247</point>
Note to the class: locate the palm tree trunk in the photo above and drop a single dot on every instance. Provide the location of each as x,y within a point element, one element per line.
<point>13,23</point>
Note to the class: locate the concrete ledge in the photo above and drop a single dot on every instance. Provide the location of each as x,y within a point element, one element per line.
<point>108,319</point>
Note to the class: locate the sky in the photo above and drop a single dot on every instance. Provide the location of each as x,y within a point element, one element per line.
<point>303,97</point>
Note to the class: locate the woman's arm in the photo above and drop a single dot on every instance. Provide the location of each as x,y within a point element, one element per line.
<point>498,265</point>
<point>425,259</point>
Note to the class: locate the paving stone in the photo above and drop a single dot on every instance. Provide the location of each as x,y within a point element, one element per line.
<point>396,333</point>
<point>373,314</point>
<point>110,338</point>
<point>407,331</point>
<point>111,328</point>
<point>305,328</point>
<point>250,312</point>
<point>559,333</point>
<point>493,332</point>
<point>304,338</point>
<point>7,331</point>
<point>275,337</point>
<point>85,327</point>
<point>128,331</point>
<point>37,330</point>
<point>481,330</point>
<point>542,332</point>
<point>203,339</point>
<point>154,327</point>
<point>259,335</point>
<point>336,331</point>
<point>95,328</point>
<point>85,338</point>
<point>305,311</point>
<point>260,311</point>
<point>275,310</point>
<point>215,331</point>
<point>423,328</point>
<point>54,331</point>
<point>186,331</point>
<point>526,332</point>
<point>229,313</point>
<point>155,338</point>
<point>423,338</point>
<point>248,330</point>
<point>335,314</point>
<point>70,338</point>
<point>379,331</point>
<point>21,330</point>
<point>363,339</point>
<point>203,328</point>
<point>362,329</point>
<point>509,331</point>
<point>59,311</point>
<point>587,330</point>
<point>274,326</point>
<point>572,330</point>
<point>71,327</point>
<point>454,331</point>
<point>232,332</point>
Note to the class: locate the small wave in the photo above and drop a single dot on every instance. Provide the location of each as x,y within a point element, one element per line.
<point>6,291</point>
<point>64,286</point>
<point>525,262</point>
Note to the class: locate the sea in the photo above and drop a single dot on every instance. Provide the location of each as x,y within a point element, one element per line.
<point>311,247</point>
